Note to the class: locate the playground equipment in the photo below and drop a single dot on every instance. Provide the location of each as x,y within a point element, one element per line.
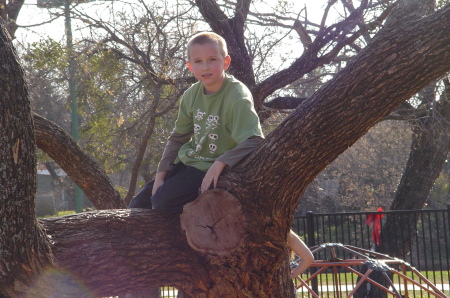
<point>374,262</point>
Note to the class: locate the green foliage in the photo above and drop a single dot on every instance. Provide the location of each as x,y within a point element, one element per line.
<point>99,77</point>
<point>60,213</point>
<point>48,54</point>
<point>442,3</point>
<point>100,81</point>
<point>122,190</point>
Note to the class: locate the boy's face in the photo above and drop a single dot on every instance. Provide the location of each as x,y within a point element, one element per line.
<point>208,65</point>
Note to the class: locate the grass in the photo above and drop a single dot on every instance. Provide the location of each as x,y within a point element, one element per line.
<point>411,294</point>
<point>60,213</point>
<point>346,278</point>
<point>349,279</point>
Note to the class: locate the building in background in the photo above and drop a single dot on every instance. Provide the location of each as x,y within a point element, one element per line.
<point>55,191</point>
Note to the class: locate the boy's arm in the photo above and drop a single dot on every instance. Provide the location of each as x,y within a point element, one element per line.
<point>230,158</point>
<point>242,150</point>
<point>174,143</point>
<point>212,176</point>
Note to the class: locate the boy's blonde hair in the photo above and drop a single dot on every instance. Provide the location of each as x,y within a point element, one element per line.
<point>208,37</point>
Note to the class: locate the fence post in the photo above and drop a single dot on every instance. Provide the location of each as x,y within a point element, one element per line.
<point>448,214</point>
<point>311,242</point>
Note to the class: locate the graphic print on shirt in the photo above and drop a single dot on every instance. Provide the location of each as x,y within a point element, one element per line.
<point>205,138</point>
<point>212,147</point>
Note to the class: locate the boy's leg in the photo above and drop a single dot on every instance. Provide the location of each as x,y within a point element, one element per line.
<point>142,199</point>
<point>178,190</point>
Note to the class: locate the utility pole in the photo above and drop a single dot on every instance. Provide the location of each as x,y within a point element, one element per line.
<point>73,95</point>
<point>72,83</point>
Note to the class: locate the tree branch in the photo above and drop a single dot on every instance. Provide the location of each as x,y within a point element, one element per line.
<point>10,14</point>
<point>241,13</point>
<point>50,138</point>
<point>302,33</point>
<point>309,59</point>
<point>377,80</point>
<point>285,103</point>
<point>130,245</point>
<point>223,26</point>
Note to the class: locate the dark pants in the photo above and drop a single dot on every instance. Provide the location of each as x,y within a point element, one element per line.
<point>181,186</point>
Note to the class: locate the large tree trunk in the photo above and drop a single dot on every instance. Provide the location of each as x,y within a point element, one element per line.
<point>24,247</point>
<point>267,185</point>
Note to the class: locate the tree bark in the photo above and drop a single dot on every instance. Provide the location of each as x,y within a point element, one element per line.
<point>148,250</point>
<point>131,246</point>
<point>82,169</point>
<point>9,13</point>
<point>122,251</point>
<point>24,247</point>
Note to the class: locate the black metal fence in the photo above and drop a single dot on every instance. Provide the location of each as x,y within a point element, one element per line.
<point>428,230</point>
<point>428,251</point>
<point>429,248</point>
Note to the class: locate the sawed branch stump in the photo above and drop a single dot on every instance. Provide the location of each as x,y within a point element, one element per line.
<point>214,223</point>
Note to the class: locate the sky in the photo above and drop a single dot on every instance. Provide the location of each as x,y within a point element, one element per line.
<point>30,14</point>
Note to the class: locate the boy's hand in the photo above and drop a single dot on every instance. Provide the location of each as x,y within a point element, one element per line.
<point>212,175</point>
<point>159,180</point>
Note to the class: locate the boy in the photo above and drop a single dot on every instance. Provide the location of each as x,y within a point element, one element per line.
<point>216,126</point>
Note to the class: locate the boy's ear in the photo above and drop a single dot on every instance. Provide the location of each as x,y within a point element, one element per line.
<point>189,65</point>
<point>226,62</point>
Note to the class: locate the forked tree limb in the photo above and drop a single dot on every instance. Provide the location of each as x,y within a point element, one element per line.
<point>81,168</point>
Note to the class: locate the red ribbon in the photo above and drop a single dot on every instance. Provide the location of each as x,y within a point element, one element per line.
<point>375,221</point>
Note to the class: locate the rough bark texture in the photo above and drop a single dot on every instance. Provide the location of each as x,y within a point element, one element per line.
<point>130,246</point>
<point>122,251</point>
<point>24,247</point>
<point>60,146</point>
<point>9,13</point>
